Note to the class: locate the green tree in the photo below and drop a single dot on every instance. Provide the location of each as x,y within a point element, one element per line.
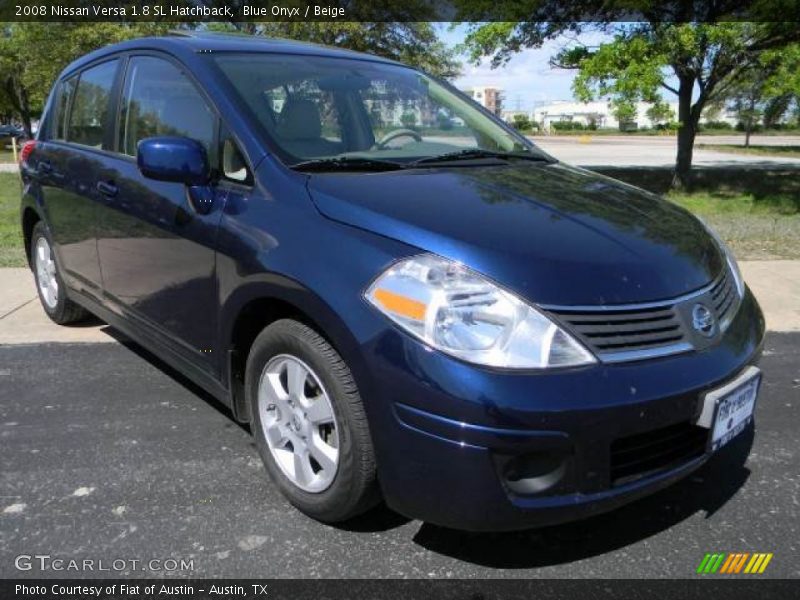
<point>624,112</point>
<point>698,50</point>
<point>33,54</point>
<point>521,122</point>
<point>747,99</point>
<point>767,90</point>
<point>783,87</point>
<point>776,108</point>
<point>660,113</point>
<point>408,119</point>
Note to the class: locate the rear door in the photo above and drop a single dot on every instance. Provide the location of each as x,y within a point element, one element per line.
<point>74,152</point>
<point>157,253</point>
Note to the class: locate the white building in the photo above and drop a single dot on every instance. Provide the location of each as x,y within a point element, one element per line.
<point>491,98</point>
<point>601,113</point>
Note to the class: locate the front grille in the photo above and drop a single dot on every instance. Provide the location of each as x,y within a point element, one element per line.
<point>724,298</point>
<point>634,332</point>
<point>610,333</point>
<point>648,453</point>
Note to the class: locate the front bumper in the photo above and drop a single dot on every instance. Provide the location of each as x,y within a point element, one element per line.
<point>482,449</point>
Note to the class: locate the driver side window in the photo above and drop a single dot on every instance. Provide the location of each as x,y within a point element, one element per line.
<point>159,100</point>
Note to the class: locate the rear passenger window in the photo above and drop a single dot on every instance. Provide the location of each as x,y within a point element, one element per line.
<point>59,124</point>
<point>90,105</point>
<point>160,100</point>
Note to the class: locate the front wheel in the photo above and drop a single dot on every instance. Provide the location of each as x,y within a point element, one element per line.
<point>309,423</point>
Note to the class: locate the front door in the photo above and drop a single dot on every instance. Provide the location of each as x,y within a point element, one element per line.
<point>157,254</point>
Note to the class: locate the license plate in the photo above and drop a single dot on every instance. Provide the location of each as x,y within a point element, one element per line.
<point>729,409</point>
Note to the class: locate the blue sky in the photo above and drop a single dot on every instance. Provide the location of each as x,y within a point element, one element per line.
<point>526,78</point>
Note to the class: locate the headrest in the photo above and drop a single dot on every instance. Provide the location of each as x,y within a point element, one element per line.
<point>299,120</point>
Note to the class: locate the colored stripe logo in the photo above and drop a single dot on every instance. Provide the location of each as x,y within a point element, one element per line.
<point>734,563</point>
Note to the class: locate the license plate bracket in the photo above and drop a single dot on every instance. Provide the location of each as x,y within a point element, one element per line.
<point>728,410</point>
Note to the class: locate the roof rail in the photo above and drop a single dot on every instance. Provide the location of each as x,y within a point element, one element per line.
<point>204,33</point>
<point>181,33</point>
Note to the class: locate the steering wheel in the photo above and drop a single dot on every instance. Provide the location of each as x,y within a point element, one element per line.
<point>396,134</point>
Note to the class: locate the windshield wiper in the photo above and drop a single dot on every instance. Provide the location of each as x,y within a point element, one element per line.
<point>346,163</point>
<point>471,153</point>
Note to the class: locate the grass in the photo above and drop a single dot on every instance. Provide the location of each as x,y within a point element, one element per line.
<point>754,228</point>
<point>781,151</point>
<point>6,156</point>
<point>757,211</point>
<point>11,253</point>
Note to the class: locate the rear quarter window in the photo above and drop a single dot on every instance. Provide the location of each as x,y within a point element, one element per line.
<point>64,93</point>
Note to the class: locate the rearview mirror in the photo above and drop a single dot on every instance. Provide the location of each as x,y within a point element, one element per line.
<point>176,159</point>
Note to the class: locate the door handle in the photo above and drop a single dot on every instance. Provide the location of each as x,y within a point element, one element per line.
<point>45,167</point>
<point>107,188</point>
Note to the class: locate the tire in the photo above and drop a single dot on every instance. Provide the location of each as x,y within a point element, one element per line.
<point>331,495</point>
<point>49,283</point>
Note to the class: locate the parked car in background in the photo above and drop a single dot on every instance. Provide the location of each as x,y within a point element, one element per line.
<point>11,131</point>
<point>446,319</point>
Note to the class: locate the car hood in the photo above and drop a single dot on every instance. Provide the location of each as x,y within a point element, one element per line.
<point>555,234</point>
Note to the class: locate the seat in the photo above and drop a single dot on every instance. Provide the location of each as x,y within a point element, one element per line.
<point>300,129</point>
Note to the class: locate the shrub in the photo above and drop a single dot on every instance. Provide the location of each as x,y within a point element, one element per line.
<point>740,126</point>
<point>408,119</point>
<point>671,126</point>
<point>715,125</point>
<point>567,125</point>
<point>521,122</point>
<point>445,123</point>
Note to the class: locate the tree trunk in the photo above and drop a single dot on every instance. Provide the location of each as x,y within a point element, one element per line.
<point>686,134</point>
<point>749,122</point>
<point>25,112</point>
<point>683,165</point>
<point>19,101</point>
<point>27,125</point>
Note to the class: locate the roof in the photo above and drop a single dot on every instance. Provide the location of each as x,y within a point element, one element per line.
<point>180,42</point>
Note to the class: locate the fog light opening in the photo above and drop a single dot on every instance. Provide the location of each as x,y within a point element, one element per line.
<point>534,473</point>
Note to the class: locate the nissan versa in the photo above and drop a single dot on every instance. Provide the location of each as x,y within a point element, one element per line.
<point>404,298</point>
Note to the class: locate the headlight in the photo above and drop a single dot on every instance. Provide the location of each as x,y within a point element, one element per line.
<point>459,312</point>
<point>730,258</point>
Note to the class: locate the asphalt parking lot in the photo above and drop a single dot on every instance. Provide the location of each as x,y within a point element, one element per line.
<point>107,453</point>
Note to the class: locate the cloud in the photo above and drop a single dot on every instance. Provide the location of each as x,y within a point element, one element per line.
<point>527,78</point>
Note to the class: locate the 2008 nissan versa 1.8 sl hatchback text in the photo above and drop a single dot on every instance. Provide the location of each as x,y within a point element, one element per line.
<point>403,297</point>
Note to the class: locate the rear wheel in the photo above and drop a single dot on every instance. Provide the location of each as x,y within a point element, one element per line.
<point>309,423</point>
<point>49,284</point>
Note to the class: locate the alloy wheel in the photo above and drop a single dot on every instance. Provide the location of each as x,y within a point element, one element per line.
<point>299,423</point>
<point>46,272</point>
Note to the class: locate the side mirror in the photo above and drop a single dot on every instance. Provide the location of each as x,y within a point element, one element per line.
<point>176,159</point>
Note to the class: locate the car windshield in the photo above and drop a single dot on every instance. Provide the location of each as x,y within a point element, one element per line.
<point>357,112</point>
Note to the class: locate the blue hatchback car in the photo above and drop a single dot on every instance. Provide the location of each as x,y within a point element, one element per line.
<point>403,297</point>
